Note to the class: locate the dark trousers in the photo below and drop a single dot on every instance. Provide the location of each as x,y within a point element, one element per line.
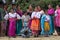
<point>7,28</point>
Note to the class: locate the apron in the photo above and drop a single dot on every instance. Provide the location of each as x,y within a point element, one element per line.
<point>47,27</point>
<point>35,24</point>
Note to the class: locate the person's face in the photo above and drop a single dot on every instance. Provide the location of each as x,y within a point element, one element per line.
<point>30,7</point>
<point>57,7</point>
<point>5,6</point>
<point>36,9</point>
<point>49,6</point>
<point>26,13</point>
<point>13,6</point>
<point>18,7</point>
<point>12,11</point>
<point>39,8</point>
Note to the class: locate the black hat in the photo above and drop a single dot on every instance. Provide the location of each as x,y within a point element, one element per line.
<point>5,3</point>
<point>1,2</point>
<point>13,3</point>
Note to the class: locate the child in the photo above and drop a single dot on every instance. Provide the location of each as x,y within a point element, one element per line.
<point>25,32</point>
<point>45,24</point>
<point>35,22</point>
<point>12,17</point>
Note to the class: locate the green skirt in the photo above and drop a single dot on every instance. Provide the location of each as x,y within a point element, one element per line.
<point>18,27</point>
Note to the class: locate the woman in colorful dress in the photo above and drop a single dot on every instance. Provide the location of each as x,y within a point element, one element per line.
<point>19,22</point>
<point>46,23</point>
<point>41,12</point>
<point>57,19</point>
<point>51,13</point>
<point>35,22</point>
<point>12,17</point>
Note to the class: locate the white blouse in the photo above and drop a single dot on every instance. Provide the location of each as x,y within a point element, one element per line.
<point>55,12</point>
<point>35,14</point>
<point>25,18</point>
<point>41,13</point>
<point>10,15</point>
<point>47,18</point>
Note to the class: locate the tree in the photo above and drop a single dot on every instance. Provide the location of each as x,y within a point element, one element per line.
<point>43,3</point>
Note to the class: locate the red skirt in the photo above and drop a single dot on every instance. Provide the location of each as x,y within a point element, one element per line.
<point>35,24</point>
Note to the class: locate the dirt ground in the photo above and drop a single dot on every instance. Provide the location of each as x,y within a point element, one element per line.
<point>32,38</point>
<point>53,37</point>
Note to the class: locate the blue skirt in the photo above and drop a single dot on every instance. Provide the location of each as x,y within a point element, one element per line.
<point>18,27</point>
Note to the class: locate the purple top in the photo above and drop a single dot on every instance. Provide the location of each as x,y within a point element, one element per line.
<point>19,12</point>
<point>50,11</point>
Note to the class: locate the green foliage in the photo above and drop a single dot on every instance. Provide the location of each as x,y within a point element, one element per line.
<point>43,3</point>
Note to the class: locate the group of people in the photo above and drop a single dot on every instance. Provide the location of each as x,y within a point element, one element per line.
<point>16,22</point>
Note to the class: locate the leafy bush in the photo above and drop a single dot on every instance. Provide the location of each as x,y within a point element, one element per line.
<point>43,3</point>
